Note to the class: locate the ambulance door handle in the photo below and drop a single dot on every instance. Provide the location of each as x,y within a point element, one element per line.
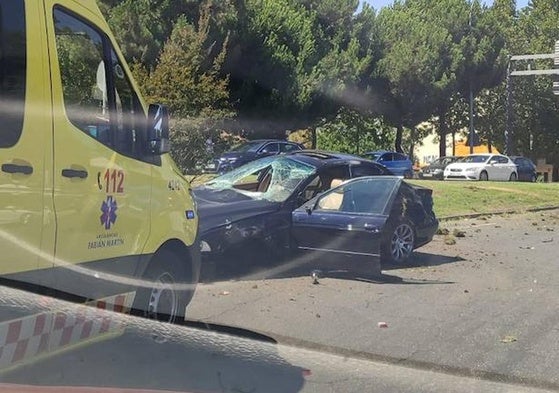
<point>13,168</point>
<point>72,173</point>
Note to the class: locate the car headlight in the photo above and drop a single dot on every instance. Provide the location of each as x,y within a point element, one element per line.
<point>471,169</point>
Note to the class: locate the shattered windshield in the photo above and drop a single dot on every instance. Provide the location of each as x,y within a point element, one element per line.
<point>272,178</point>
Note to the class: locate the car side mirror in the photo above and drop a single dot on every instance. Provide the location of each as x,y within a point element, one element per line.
<point>158,129</point>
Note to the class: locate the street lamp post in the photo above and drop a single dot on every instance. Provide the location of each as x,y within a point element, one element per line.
<point>472,131</point>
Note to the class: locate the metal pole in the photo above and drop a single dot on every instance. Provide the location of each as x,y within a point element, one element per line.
<point>508,125</point>
<point>472,131</point>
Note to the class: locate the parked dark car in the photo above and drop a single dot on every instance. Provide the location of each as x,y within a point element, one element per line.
<point>435,170</point>
<point>526,168</point>
<point>250,151</point>
<point>398,163</point>
<point>254,205</point>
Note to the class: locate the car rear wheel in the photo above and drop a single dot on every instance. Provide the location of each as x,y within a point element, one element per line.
<point>483,176</point>
<point>512,177</point>
<point>164,295</point>
<point>398,244</point>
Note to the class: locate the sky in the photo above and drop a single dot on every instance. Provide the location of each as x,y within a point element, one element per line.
<point>381,3</point>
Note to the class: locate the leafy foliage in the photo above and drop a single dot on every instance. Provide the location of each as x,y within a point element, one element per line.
<point>352,78</point>
<point>350,132</point>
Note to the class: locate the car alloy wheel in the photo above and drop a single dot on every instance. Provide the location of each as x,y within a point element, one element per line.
<point>401,243</point>
<point>512,177</point>
<point>483,176</point>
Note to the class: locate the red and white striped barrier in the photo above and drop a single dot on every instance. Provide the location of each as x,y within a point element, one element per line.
<point>28,337</point>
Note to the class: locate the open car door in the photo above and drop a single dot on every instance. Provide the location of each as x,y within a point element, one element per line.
<point>347,219</point>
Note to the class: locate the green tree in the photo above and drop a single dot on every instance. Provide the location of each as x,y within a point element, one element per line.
<point>196,96</point>
<point>535,115</point>
<point>351,132</point>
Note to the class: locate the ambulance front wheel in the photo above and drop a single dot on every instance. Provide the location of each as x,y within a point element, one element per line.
<point>166,289</point>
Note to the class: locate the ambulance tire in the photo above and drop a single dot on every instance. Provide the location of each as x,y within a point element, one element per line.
<point>166,299</point>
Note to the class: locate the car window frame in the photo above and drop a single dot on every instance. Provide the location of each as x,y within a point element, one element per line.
<point>262,148</point>
<point>313,204</point>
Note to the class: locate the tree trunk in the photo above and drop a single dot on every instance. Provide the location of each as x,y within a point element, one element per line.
<point>442,134</point>
<point>313,137</point>
<point>453,142</point>
<point>398,142</point>
<point>489,145</point>
<point>412,144</point>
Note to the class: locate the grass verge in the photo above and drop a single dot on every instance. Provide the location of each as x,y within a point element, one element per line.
<point>460,197</point>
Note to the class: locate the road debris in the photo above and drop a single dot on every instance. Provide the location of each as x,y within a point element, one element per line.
<point>443,231</point>
<point>509,339</point>
<point>315,275</point>
<point>450,240</point>
<point>382,325</point>
<point>458,233</point>
<point>224,293</point>
<point>547,240</point>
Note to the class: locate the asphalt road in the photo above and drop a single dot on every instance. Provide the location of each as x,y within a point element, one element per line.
<point>478,315</point>
<point>486,306</point>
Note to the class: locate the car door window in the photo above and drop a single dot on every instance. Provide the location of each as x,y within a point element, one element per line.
<point>333,200</point>
<point>83,73</point>
<point>288,147</point>
<point>130,117</point>
<point>270,148</point>
<point>114,118</point>
<point>365,170</point>
<point>386,157</point>
<point>369,196</point>
<point>12,70</point>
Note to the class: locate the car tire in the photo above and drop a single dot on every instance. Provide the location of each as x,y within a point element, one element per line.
<point>163,297</point>
<point>533,179</point>
<point>513,177</point>
<point>398,242</point>
<point>483,176</point>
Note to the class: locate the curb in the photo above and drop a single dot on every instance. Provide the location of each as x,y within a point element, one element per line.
<point>465,372</point>
<point>497,213</point>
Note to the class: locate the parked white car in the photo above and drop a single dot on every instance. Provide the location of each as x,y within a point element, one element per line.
<point>482,167</point>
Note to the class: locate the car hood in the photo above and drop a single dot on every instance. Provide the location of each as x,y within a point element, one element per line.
<point>217,208</point>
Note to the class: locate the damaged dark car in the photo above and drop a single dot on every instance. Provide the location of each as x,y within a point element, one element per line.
<point>282,204</point>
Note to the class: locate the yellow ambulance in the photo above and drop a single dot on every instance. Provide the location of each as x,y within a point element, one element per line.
<point>91,204</point>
